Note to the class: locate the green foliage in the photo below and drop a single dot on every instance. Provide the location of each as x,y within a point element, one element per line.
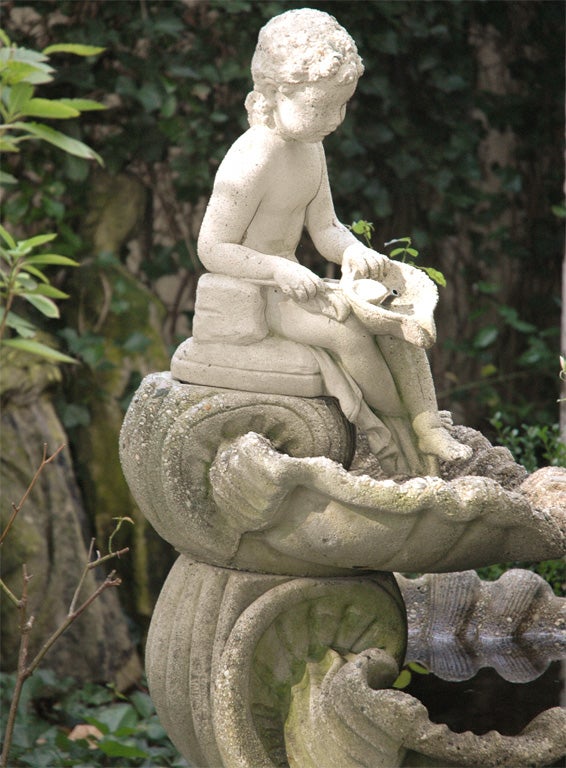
<point>22,274</point>
<point>406,253</point>
<point>406,674</point>
<point>21,70</point>
<point>22,277</point>
<point>552,571</point>
<point>532,445</point>
<point>129,731</point>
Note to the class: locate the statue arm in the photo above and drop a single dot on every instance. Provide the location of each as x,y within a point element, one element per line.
<point>238,181</point>
<point>241,183</point>
<point>336,242</point>
<point>329,235</point>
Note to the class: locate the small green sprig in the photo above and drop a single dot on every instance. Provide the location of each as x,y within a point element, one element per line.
<point>405,251</point>
<point>22,277</point>
<point>407,254</point>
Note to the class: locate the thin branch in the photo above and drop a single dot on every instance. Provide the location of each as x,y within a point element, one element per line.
<point>25,670</point>
<point>25,629</point>
<point>111,581</point>
<point>89,565</point>
<point>17,508</point>
<point>5,588</point>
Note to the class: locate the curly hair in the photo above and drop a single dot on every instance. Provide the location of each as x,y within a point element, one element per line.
<point>296,47</point>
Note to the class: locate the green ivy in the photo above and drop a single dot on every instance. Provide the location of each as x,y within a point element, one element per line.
<point>128,732</point>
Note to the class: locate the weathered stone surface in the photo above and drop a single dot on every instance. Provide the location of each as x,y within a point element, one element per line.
<point>344,715</point>
<point>225,648</point>
<point>248,481</point>
<point>170,439</point>
<point>51,536</point>
<point>259,483</point>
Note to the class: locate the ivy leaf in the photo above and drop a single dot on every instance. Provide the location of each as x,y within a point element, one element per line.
<point>485,337</point>
<point>114,748</point>
<point>37,348</point>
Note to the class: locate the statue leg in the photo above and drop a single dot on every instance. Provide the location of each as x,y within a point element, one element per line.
<point>411,370</point>
<point>349,342</point>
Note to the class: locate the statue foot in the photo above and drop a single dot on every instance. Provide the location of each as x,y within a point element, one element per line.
<point>435,439</point>
<point>440,443</point>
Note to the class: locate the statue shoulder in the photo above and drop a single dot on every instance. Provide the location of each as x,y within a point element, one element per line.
<point>251,156</point>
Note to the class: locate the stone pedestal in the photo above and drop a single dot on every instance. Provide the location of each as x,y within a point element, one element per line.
<point>275,640</point>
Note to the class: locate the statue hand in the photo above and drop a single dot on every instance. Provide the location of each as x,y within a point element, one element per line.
<point>296,281</point>
<point>362,262</point>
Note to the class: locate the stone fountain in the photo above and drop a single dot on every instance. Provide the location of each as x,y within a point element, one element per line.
<point>296,458</point>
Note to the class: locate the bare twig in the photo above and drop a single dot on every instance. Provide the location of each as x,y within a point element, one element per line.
<point>25,669</point>
<point>89,565</point>
<point>110,581</point>
<point>17,508</point>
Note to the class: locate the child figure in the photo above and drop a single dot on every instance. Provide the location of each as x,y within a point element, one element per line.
<point>272,183</point>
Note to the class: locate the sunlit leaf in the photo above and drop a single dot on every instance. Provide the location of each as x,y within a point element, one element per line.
<point>43,304</point>
<point>50,109</point>
<point>403,680</point>
<point>19,324</point>
<point>35,272</point>
<point>8,144</point>
<point>83,105</point>
<point>7,237</point>
<point>52,259</point>
<point>60,140</point>
<point>34,242</point>
<point>414,666</point>
<point>51,291</point>
<point>74,48</point>
<point>37,348</point>
<point>435,275</point>
<point>19,95</point>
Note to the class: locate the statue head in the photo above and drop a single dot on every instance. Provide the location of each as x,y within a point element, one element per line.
<point>295,49</point>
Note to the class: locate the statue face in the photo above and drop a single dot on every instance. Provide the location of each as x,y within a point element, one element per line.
<point>309,112</point>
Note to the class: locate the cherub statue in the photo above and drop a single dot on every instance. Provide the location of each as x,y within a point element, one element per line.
<point>272,183</point>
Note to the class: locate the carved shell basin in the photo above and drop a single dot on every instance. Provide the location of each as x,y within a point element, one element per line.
<point>260,482</point>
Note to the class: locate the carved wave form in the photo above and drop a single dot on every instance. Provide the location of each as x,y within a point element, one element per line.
<point>459,624</point>
<point>225,648</point>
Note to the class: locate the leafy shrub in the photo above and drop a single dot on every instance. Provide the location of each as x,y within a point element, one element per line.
<point>124,730</point>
